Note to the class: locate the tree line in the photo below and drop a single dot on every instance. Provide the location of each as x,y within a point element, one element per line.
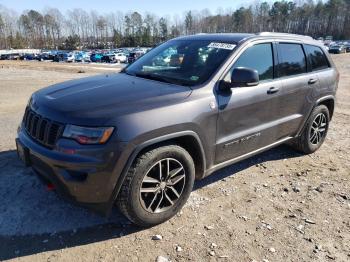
<point>78,28</point>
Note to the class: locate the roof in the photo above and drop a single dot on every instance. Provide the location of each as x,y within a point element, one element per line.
<point>225,37</point>
<point>282,35</point>
<point>238,37</point>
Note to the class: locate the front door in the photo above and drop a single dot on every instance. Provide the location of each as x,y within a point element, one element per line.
<point>249,117</point>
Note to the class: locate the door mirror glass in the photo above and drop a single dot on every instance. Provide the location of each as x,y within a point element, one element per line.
<point>243,76</point>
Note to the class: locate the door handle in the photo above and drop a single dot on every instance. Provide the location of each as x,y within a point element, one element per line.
<point>273,90</point>
<point>312,81</point>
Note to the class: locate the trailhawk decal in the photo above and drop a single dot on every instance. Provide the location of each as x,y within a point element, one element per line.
<point>244,139</point>
<point>222,46</point>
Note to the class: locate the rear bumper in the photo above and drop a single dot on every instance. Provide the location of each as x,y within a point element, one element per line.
<point>86,176</point>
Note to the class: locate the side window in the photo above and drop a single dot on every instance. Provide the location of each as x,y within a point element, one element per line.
<point>258,57</point>
<point>292,59</point>
<point>316,57</point>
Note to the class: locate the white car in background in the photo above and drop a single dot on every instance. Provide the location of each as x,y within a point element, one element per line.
<point>120,58</point>
<point>70,58</point>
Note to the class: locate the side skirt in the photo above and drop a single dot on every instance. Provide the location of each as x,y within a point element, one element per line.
<point>245,156</point>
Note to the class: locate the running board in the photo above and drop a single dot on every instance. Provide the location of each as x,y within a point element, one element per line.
<point>245,156</point>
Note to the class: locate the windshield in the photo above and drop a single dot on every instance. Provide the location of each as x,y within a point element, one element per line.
<point>183,62</point>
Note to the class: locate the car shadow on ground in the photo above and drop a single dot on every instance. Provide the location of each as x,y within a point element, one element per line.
<point>33,220</point>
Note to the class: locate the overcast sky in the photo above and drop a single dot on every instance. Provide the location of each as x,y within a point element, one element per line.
<point>159,7</point>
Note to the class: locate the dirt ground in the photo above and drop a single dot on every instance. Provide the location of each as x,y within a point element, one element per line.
<point>277,206</point>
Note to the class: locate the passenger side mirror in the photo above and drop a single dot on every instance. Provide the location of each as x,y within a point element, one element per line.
<point>243,76</point>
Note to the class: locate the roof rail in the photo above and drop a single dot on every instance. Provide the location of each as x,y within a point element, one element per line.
<point>282,34</point>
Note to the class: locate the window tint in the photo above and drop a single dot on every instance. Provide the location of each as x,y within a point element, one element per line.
<point>258,57</point>
<point>292,59</point>
<point>316,57</point>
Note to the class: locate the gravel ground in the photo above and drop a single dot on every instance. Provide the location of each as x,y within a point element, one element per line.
<point>277,206</point>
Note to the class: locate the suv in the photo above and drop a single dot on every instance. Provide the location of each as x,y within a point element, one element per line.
<point>141,137</point>
<point>133,56</point>
<point>337,49</point>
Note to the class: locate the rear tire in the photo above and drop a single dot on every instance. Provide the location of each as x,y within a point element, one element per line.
<point>314,132</point>
<point>157,185</point>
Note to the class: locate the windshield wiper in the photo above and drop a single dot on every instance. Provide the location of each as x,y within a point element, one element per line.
<point>157,77</point>
<point>154,77</point>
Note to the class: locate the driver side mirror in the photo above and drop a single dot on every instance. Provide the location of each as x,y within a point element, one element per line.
<point>241,77</point>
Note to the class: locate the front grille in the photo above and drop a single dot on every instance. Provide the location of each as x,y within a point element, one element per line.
<point>42,130</point>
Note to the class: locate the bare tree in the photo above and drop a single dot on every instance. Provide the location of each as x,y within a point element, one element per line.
<point>51,29</point>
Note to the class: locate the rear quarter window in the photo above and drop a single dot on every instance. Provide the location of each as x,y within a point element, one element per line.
<point>291,59</point>
<point>316,58</point>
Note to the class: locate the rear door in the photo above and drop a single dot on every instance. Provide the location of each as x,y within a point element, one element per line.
<point>298,84</point>
<point>319,65</point>
<point>249,116</point>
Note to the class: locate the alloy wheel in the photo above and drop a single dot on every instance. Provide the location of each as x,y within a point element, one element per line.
<point>318,129</point>
<point>162,185</point>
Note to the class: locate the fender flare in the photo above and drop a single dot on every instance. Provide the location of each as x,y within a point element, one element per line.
<point>318,102</point>
<point>146,144</point>
<point>324,98</point>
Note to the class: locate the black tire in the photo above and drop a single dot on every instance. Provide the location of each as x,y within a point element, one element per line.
<point>306,142</point>
<point>130,199</point>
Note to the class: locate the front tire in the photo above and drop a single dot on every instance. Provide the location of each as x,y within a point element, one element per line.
<point>315,131</point>
<point>157,185</point>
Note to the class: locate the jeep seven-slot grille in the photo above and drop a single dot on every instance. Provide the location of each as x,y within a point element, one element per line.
<point>41,129</point>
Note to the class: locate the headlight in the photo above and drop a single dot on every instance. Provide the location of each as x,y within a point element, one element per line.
<point>88,135</point>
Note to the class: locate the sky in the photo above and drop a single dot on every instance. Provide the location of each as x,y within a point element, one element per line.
<point>159,7</point>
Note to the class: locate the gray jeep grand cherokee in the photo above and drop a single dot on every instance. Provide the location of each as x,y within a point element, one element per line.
<point>190,106</point>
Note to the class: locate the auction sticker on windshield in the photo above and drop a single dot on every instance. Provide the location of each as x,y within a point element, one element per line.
<point>222,46</point>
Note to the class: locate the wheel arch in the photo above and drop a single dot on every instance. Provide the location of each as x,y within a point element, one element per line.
<point>329,102</point>
<point>189,140</point>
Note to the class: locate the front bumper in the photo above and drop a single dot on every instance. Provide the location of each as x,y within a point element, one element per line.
<point>85,175</point>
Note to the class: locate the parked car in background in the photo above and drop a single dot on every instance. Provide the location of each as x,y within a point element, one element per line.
<point>78,56</point>
<point>40,57</point>
<point>108,58</point>
<point>13,56</point>
<point>120,58</point>
<point>347,48</point>
<point>28,57</point>
<point>4,57</point>
<point>133,56</point>
<point>59,57</point>
<point>96,57</point>
<point>337,49</point>
<point>328,40</point>
<point>47,55</point>
<point>69,57</point>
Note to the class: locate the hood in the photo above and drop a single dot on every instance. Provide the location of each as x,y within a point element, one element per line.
<point>105,96</point>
